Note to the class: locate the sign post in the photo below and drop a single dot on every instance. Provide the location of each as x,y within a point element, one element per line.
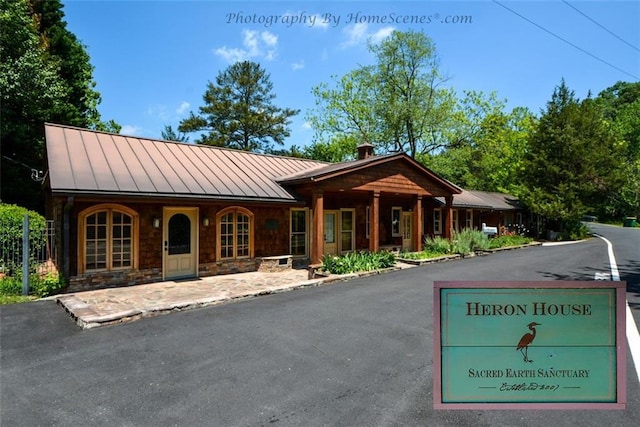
<point>529,345</point>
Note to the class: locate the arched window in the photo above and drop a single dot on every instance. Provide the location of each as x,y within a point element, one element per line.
<point>235,233</point>
<point>107,238</point>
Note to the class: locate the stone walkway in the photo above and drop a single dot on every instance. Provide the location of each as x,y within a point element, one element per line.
<point>115,305</point>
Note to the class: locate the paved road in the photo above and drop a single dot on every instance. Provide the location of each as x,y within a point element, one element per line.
<point>356,353</point>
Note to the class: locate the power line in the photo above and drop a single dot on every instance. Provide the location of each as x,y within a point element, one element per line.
<point>599,25</point>
<point>567,41</point>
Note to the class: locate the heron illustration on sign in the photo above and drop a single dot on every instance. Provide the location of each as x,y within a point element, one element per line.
<point>523,344</point>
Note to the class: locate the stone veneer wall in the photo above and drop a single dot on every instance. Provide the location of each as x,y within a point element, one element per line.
<point>122,278</point>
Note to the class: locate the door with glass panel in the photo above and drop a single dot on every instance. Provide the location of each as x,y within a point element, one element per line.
<point>407,230</point>
<point>347,231</point>
<point>330,232</point>
<point>180,243</point>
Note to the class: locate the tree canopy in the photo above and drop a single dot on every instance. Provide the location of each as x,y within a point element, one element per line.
<point>45,76</point>
<point>238,111</point>
<point>574,158</point>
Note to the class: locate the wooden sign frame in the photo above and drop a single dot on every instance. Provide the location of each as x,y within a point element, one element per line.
<point>485,342</point>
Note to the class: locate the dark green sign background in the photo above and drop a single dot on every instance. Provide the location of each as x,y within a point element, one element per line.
<point>569,354</point>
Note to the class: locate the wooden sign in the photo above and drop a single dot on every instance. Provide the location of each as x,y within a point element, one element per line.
<point>525,345</point>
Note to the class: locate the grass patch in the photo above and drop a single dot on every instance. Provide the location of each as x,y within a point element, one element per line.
<point>14,299</point>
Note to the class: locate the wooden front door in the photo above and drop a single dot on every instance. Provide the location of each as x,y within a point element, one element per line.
<point>330,233</point>
<point>407,231</point>
<point>180,241</point>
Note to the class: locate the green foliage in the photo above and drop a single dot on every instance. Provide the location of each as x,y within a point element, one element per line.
<point>491,158</point>
<point>621,106</point>
<point>168,134</point>
<point>574,230</point>
<point>396,103</point>
<point>39,285</point>
<point>238,111</point>
<point>12,220</point>
<point>358,261</point>
<point>573,161</point>
<point>45,285</point>
<point>45,76</point>
<point>437,245</point>
<point>471,240</point>
<point>465,242</point>
<point>508,240</point>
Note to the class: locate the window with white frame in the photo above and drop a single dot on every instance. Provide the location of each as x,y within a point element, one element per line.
<point>455,219</point>
<point>347,231</point>
<point>396,214</point>
<point>437,221</point>
<point>469,220</point>
<point>299,231</point>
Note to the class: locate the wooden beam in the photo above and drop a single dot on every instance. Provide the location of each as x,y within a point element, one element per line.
<point>317,248</point>
<point>448,228</point>
<point>374,222</point>
<point>417,224</point>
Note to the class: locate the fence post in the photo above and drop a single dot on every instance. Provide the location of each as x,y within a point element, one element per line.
<point>25,255</point>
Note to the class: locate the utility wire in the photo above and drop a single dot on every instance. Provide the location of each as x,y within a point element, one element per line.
<point>599,25</point>
<point>566,41</point>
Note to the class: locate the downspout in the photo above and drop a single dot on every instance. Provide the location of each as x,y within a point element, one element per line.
<point>66,237</point>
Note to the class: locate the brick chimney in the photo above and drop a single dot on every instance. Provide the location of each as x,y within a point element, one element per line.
<point>365,150</point>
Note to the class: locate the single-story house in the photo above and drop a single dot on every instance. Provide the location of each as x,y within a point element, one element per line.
<point>130,210</point>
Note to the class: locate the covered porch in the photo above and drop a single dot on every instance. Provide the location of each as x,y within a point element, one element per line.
<point>372,203</point>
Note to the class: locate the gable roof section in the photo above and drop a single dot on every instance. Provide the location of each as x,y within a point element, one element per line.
<point>340,169</point>
<point>88,162</point>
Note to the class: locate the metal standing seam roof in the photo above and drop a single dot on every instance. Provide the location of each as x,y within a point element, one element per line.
<point>82,161</point>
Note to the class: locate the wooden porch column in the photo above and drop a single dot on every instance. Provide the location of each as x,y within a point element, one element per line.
<point>418,226</point>
<point>374,222</point>
<point>448,227</point>
<point>317,248</point>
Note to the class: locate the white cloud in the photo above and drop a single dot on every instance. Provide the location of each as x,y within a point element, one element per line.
<point>182,108</point>
<point>254,45</point>
<point>381,34</point>
<point>358,34</point>
<point>297,65</point>
<point>320,22</point>
<point>132,130</point>
<point>306,126</point>
<point>159,111</point>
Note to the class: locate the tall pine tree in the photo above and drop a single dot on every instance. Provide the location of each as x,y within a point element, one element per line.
<point>239,111</point>
<point>573,160</point>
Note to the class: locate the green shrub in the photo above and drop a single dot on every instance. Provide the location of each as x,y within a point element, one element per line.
<point>574,230</point>
<point>11,286</point>
<point>507,240</point>
<point>43,286</point>
<point>437,245</point>
<point>11,223</point>
<point>469,240</point>
<point>358,261</point>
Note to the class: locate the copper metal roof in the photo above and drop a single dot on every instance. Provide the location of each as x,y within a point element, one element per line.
<point>83,161</point>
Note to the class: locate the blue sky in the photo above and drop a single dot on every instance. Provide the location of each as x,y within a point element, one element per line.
<point>153,59</point>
